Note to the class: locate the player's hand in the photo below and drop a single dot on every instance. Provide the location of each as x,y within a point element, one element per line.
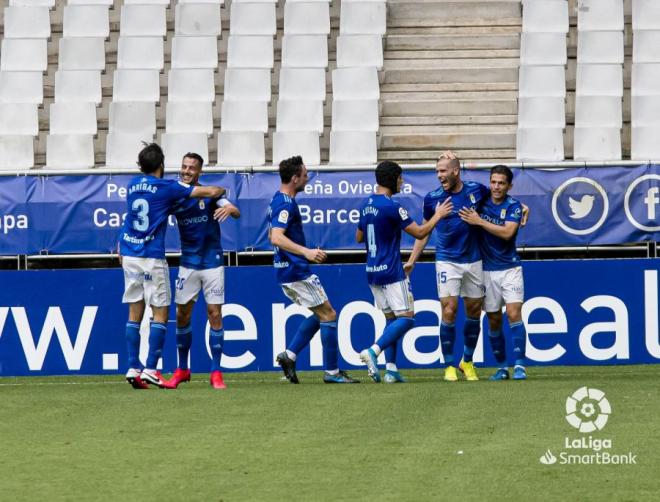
<point>222,213</point>
<point>448,154</point>
<point>316,255</point>
<point>469,216</point>
<point>408,268</point>
<point>443,210</point>
<point>525,215</point>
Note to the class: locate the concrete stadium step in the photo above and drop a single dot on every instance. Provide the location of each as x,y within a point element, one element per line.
<point>454,54</point>
<point>448,137</point>
<point>449,103</point>
<point>452,13</point>
<point>449,120</point>
<point>431,156</point>
<point>450,71</point>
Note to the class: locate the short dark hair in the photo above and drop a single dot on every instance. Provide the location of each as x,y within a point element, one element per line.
<point>195,156</point>
<point>151,158</point>
<point>502,169</point>
<point>387,174</point>
<point>291,167</point>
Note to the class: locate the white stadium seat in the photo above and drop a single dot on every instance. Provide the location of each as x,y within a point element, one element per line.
<point>191,85</point>
<point>597,143</point>
<point>645,144</point>
<point>306,18</point>
<point>19,119</point>
<point>194,52</point>
<point>599,80</point>
<point>598,111</point>
<point>363,18</point>
<point>136,85</point>
<point>544,112</point>
<point>600,47</point>
<point>72,118</point>
<point>304,51</point>
<point>134,118</point>
<point>140,53</point>
<point>535,81</point>
<point>142,21</point>
<point>216,2</point>
<point>645,15</point>
<point>645,47</point>
<point>359,50</point>
<point>69,151</point>
<point>244,116</point>
<point>252,19</point>
<point>121,150</point>
<point>81,54</point>
<point>645,79</point>
<point>192,116</point>
<point>165,3</point>
<point>600,15</point>
<point>241,148</point>
<point>302,83</point>
<point>27,22</point>
<point>86,21</point>
<point>299,116</point>
<point>250,51</point>
<point>355,83</point>
<point>16,152</point>
<point>24,55</point>
<point>175,146</point>
<point>645,111</point>
<point>252,85</point>
<point>21,87</point>
<point>543,49</point>
<point>197,20</point>
<point>545,16</point>
<point>33,3</point>
<point>107,3</point>
<point>355,115</point>
<point>303,143</point>
<point>540,144</point>
<point>353,147</point>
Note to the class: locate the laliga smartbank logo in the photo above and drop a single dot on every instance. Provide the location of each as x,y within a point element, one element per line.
<point>587,410</point>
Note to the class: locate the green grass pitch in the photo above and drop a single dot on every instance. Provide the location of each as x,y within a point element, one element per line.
<point>94,438</point>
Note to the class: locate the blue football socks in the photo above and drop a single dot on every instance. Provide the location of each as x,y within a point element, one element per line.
<point>304,335</point>
<point>394,331</point>
<point>157,334</point>
<point>183,343</point>
<point>519,336</point>
<point>133,344</point>
<point>471,330</point>
<point>330,346</point>
<point>498,344</point>
<point>391,351</point>
<point>447,339</point>
<point>216,339</point>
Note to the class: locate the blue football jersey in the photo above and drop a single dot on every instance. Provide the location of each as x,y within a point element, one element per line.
<point>284,213</point>
<point>381,220</point>
<point>150,201</point>
<point>497,253</point>
<point>455,240</point>
<point>201,248</point>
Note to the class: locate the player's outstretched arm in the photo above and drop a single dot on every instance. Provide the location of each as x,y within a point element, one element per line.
<point>278,239</point>
<point>506,231</point>
<point>207,192</point>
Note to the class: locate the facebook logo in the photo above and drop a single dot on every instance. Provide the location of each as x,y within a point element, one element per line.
<point>652,199</point>
<point>641,203</point>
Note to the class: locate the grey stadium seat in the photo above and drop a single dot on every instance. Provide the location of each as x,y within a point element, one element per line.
<point>21,87</point>
<point>140,53</point>
<point>363,18</point>
<point>600,15</point>
<point>355,115</point>
<point>191,85</point>
<point>353,147</point>
<point>545,16</point>
<point>136,85</point>
<point>19,119</point>
<point>306,18</point>
<point>175,146</point>
<point>597,143</point>
<point>86,21</point>
<point>541,112</point>
<point>302,83</point>
<point>73,118</point>
<point>241,148</point>
<point>304,51</point>
<point>179,114</point>
<point>16,152</point>
<point>194,52</point>
<point>197,20</point>
<point>534,81</point>
<point>540,144</point>
<point>252,19</point>
<point>250,84</point>
<point>305,144</point>
<point>81,54</point>
<point>142,21</point>
<point>244,116</point>
<point>27,22</point>
<point>598,111</point>
<point>247,51</point>
<point>121,150</point>
<point>134,118</point>
<point>299,116</point>
<point>359,50</point>
<point>355,83</point>
<point>69,151</point>
<point>24,55</point>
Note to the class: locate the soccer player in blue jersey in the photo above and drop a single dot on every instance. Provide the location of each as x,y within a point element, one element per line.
<point>150,200</point>
<point>499,219</point>
<point>201,269</point>
<point>382,219</point>
<point>459,270</point>
<point>291,260</point>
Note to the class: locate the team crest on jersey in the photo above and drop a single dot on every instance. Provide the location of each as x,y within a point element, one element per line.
<point>202,205</point>
<point>474,201</point>
<point>403,213</point>
<point>503,213</point>
<point>283,217</point>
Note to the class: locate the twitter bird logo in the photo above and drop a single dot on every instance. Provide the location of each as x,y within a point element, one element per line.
<point>581,208</point>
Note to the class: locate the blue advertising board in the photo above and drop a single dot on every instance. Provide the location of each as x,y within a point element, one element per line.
<point>64,322</point>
